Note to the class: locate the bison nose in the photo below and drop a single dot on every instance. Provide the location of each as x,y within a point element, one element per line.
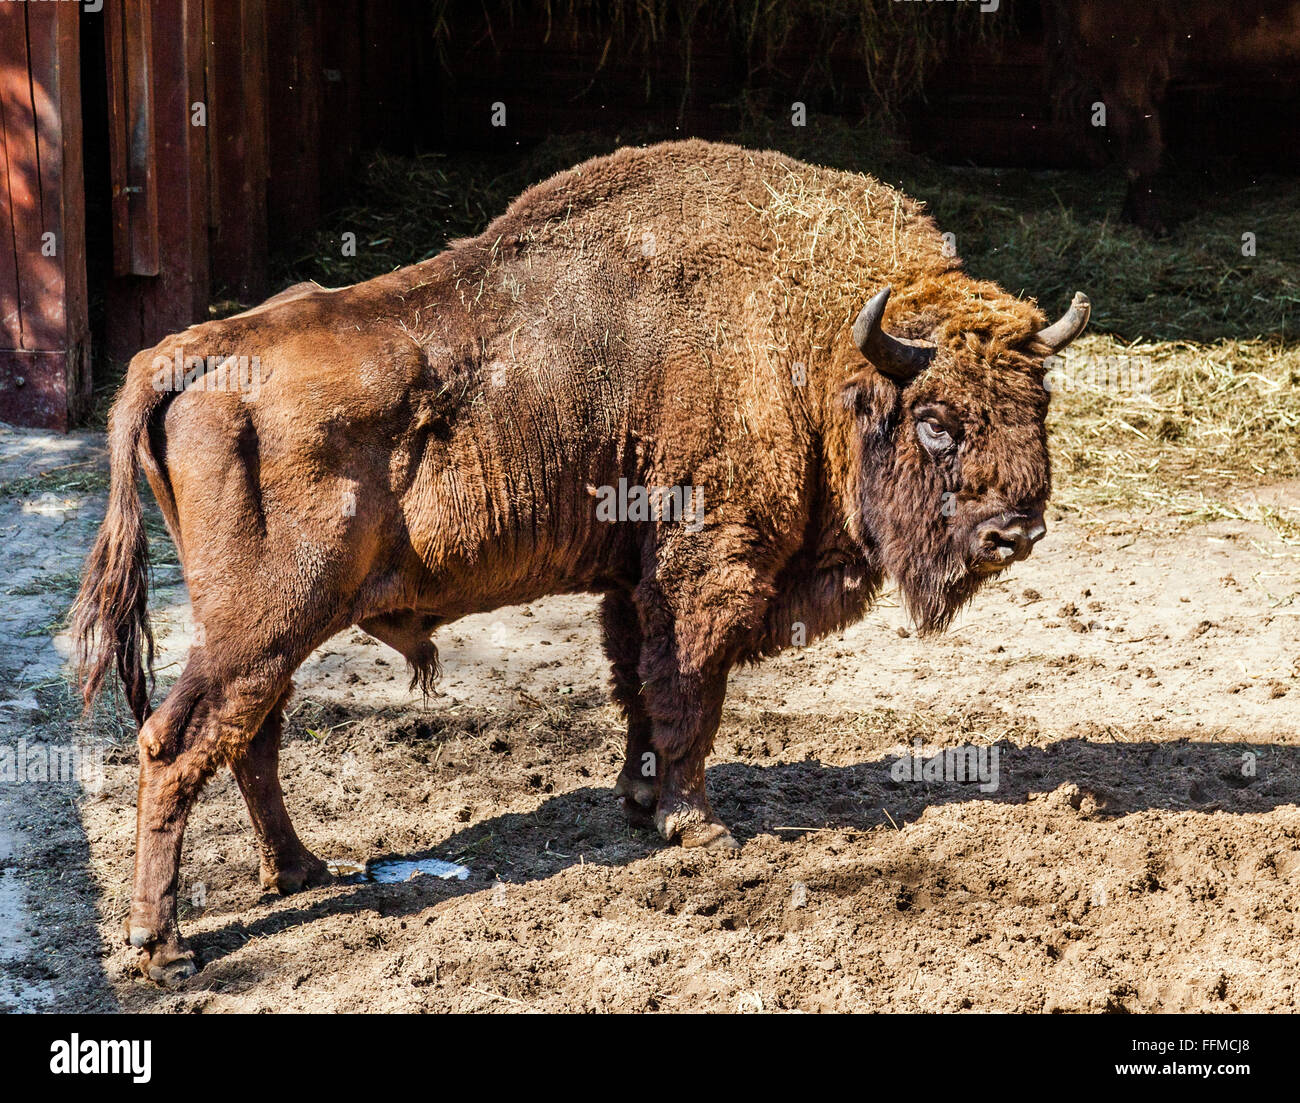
<point>1003,541</point>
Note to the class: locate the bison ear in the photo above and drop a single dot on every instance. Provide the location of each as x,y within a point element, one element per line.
<point>1068,326</point>
<point>900,359</point>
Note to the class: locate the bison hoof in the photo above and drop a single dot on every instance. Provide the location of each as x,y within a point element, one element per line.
<point>635,790</point>
<point>140,937</point>
<point>638,799</point>
<point>308,873</point>
<point>167,962</point>
<point>173,972</point>
<point>691,829</point>
<point>637,815</point>
<point>712,836</point>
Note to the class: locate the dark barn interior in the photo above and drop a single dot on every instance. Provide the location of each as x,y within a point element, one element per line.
<point>169,158</point>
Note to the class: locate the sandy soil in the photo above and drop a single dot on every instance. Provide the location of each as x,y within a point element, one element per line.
<point>1139,683</point>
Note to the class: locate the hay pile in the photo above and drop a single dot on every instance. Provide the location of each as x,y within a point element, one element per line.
<point>1183,430</point>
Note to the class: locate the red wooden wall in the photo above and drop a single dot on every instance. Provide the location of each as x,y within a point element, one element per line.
<point>281,87</point>
<point>159,171</point>
<point>44,364</point>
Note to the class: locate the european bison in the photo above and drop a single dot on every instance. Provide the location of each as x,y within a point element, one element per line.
<point>655,378</point>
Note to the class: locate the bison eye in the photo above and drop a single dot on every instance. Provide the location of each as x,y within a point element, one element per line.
<point>934,436</point>
<point>938,427</point>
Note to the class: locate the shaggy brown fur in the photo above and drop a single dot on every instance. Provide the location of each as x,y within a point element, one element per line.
<point>433,443</point>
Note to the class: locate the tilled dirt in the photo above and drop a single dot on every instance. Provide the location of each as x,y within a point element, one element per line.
<point>1138,847</point>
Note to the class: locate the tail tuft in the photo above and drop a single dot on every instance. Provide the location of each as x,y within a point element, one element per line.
<point>110,619</point>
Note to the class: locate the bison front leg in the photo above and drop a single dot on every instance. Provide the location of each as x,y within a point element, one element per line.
<point>696,614</point>
<point>638,782</point>
<point>286,865</point>
<point>683,737</point>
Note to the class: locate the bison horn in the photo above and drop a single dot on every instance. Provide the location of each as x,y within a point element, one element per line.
<point>1066,328</point>
<point>900,359</point>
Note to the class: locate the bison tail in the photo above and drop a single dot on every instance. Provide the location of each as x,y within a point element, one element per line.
<point>110,619</point>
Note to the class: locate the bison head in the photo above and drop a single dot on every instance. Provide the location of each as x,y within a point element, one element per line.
<point>952,448</point>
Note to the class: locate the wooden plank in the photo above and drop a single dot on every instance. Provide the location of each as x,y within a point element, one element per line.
<point>181,293</point>
<point>42,113</point>
<point>236,79</point>
<point>294,99</point>
<point>79,373</point>
<point>128,33</point>
<point>255,285</point>
<point>24,173</point>
<point>13,69</point>
<point>34,390</point>
<point>341,90</point>
<point>196,151</point>
<point>391,118</point>
<point>115,68</point>
<point>142,151</point>
<point>143,311</point>
<point>45,327</point>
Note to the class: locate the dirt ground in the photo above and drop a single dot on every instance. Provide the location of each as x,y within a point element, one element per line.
<point>1139,681</point>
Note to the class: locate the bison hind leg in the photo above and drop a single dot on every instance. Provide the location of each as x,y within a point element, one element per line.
<point>407,633</point>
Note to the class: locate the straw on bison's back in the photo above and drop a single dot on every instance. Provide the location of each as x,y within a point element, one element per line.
<point>664,376</point>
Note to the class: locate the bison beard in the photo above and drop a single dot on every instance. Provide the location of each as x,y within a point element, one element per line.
<point>433,443</point>
<point>903,514</point>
